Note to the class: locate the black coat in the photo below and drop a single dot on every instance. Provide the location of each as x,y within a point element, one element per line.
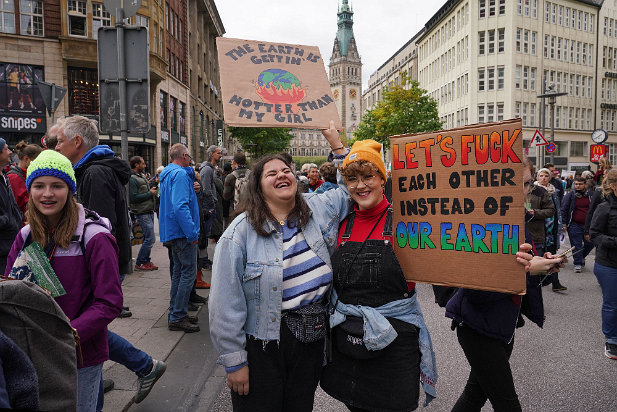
<point>10,219</point>
<point>496,314</point>
<point>101,187</point>
<point>603,231</point>
<point>543,207</point>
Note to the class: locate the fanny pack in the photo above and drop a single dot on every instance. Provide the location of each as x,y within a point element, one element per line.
<point>308,323</point>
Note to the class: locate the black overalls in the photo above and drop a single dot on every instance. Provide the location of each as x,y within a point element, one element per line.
<point>391,380</point>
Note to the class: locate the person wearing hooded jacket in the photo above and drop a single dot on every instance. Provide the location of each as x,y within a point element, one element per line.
<point>101,181</point>
<point>179,230</point>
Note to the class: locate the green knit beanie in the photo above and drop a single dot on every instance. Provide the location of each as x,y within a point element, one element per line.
<point>51,163</point>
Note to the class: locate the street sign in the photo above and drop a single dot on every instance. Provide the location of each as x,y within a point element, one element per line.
<point>597,152</point>
<point>137,65</point>
<point>550,148</point>
<point>130,7</point>
<point>537,140</point>
<point>52,95</point>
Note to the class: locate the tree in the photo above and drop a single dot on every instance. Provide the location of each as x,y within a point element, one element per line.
<point>261,140</point>
<point>401,111</point>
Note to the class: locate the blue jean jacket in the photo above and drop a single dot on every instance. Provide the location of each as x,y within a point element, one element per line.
<point>379,333</point>
<point>247,275</point>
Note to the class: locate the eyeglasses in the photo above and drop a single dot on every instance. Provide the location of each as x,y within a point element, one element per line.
<point>190,157</point>
<point>368,180</point>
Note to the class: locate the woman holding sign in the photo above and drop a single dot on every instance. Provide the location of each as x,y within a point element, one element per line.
<point>380,347</point>
<point>270,286</point>
<point>485,323</point>
<point>84,256</point>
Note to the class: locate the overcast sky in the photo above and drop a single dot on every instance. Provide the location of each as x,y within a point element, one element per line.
<point>381,27</point>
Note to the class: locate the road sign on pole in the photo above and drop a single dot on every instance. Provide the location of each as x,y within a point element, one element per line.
<point>52,96</point>
<point>537,140</point>
<point>129,7</point>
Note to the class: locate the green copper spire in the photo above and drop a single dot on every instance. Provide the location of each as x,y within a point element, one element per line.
<point>345,27</point>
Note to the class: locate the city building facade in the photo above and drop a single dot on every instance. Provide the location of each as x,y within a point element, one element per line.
<point>346,72</point>
<point>206,105</point>
<point>402,64</point>
<point>30,51</point>
<point>488,60</point>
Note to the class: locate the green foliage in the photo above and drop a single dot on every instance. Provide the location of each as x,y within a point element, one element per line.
<point>318,160</point>
<point>401,111</point>
<point>261,140</point>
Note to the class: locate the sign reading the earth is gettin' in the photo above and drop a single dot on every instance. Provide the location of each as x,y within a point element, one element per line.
<point>274,85</point>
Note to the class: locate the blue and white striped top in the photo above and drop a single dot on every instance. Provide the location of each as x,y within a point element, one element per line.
<point>306,277</point>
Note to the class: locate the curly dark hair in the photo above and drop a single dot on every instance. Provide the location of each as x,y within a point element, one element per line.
<point>255,205</point>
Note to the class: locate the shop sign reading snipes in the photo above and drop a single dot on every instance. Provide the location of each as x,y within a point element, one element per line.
<point>22,123</point>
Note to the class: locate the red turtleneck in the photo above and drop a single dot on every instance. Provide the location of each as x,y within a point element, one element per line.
<point>364,222</point>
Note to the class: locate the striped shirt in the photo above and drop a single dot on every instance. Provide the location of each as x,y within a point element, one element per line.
<point>306,277</point>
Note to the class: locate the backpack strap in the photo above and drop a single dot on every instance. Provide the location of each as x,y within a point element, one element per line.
<point>387,227</point>
<point>90,219</point>
<point>348,226</point>
<point>15,170</point>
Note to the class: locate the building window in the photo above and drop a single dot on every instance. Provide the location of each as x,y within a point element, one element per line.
<point>481,42</point>
<point>490,112</point>
<point>173,107</point>
<point>17,87</point>
<point>491,41</point>
<point>31,17</point>
<point>100,18</point>
<point>532,79</point>
<point>577,148</point>
<point>155,41</point>
<point>182,109</point>
<point>502,7</point>
<point>517,79</point>
<point>518,39</point>
<point>491,7</point>
<point>501,46</point>
<point>163,107</point>
<point>77,18</point>
<point>480,113</point>
<point>482,8</point>
<point>142,21</point>
<point>83,91</point>
<point>481,74</point>
<point>491,78</point>
<point>7,16</point>
<point>500,77</point>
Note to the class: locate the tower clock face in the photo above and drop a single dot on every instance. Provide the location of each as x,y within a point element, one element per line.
<point>599,136</point>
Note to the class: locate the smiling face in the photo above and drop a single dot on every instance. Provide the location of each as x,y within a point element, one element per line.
<point>313,175</point>
<point>365,186</point>
<point>49,195</point>
<point>278,183</point>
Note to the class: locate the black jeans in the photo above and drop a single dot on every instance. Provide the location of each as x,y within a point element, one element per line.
<point>490,377</point>
<point>282,376</point>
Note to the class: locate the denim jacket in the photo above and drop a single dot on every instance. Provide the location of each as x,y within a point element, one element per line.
<point>247,275</point>
<point>379,333</point>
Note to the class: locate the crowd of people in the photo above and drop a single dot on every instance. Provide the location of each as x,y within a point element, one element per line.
<point>306,289</point>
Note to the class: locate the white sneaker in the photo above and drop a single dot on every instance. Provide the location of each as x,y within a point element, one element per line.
<point>578,269</point>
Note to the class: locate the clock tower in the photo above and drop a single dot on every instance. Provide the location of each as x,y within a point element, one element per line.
<point>346,72</point>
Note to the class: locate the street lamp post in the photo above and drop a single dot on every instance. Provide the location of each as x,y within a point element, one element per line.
<point>552,95</point>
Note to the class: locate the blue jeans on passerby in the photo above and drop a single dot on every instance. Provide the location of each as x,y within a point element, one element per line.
<point>123,352</point>
<point>607,278</point>
<point>88,384</point>
<point>183,273</point>
<point>576,233</point>
<point>146,221</point>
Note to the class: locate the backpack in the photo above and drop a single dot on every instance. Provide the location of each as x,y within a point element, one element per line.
<point>240,187</point>
<point>32,319</point>
<point>15,170</point>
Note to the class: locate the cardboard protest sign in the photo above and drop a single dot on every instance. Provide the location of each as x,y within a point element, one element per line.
<point>274,85</point>
<point>458,206</point>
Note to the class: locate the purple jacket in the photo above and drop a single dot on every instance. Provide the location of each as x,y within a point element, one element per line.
<point>92,283</point>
